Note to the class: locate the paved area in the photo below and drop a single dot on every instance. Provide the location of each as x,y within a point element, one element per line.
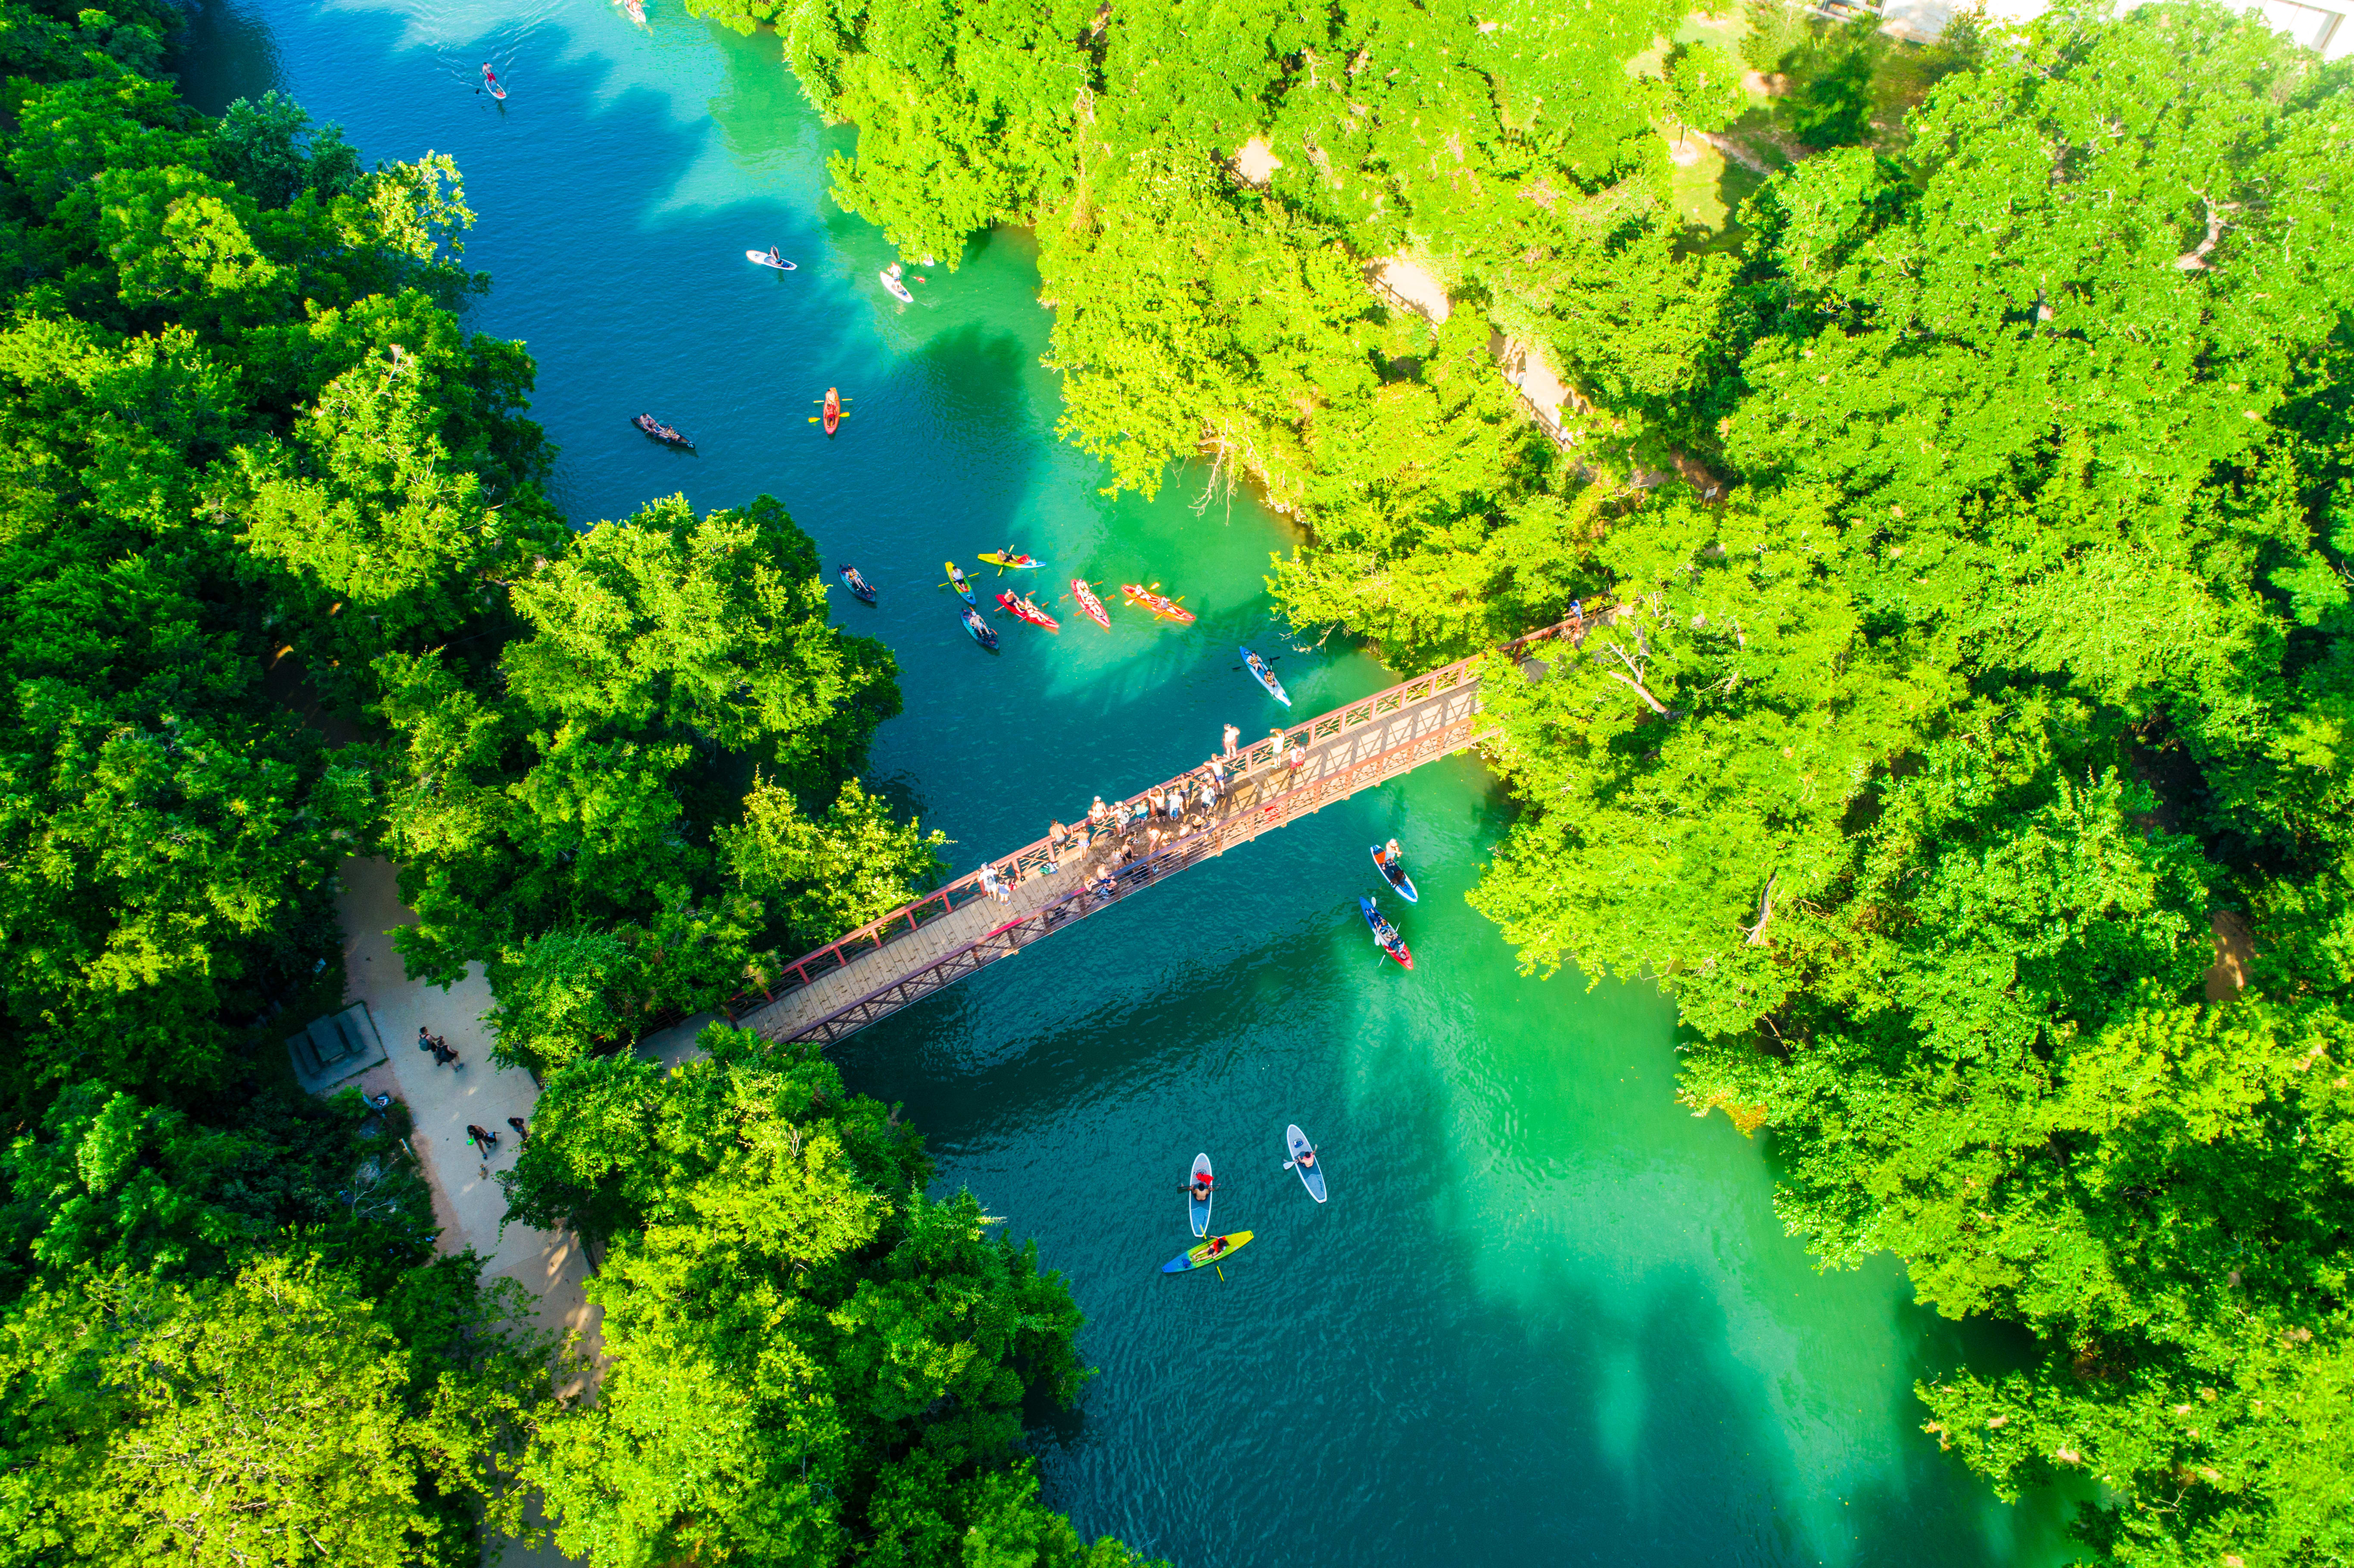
<point>468,1201</point>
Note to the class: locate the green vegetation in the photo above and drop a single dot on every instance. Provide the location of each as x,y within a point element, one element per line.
<point>810,1363</point>
<point>1976,523</point>
<point>255,465</point>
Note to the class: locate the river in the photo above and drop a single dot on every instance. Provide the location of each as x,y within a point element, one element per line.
<point>1547,1315</point>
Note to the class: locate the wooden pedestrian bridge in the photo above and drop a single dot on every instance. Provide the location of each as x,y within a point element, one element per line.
<point>963,927</point>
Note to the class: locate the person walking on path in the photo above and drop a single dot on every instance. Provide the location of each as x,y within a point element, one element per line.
<point>523,1130</point>
<point>482,1138</point>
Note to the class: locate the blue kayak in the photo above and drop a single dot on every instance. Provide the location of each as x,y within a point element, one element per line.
<point>1265,677</point>
<point>982,633</point>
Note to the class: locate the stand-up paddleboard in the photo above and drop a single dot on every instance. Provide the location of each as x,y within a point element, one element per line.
<point>491,83</point>
<point>982,633</point>
<point>890,276</point>
<point>1202,1257</point>
<point>769,258</point>
<point>1385,934</point>
<point>1313,1175</point>
<point>1397,878</point>
<point>958,581</point>
<point>1083,593</point>
<point>1198,1209</point>
<point>1265,677</point>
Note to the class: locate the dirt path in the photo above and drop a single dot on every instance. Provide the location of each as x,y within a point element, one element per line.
<point>468,1203</point>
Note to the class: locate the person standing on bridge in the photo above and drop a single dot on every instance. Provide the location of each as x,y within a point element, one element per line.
<point>1232,735</point>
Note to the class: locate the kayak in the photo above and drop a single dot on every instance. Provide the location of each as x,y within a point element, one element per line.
<point>1199,1257</point>
<point>856,584</point>
<point>1089,605</point>
<point>1265,677</point>
<point>896,287</point>
<point>1397,878</point>
<point>769,258</point>
<point>660,432</point>
<point>964,589</point>
<point>1385,934</point>
<point>833,410</point>
<point>1167,609</point>
<point>490,81</point>
<point>1004,560</point>
<point>1313,1175</point>
<point>636,9</point>
<point>1023,609</point>
<point>1198,1209</point>
<point>982,633</point>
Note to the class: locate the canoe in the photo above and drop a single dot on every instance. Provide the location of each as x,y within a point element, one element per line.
<point>1089,605</point>
<point>833,410</point>
<point>1396,878</point>
<point>1313,1175</point>
<point>856,584</point>
<point>1385,934</point>
<point>982,633</point>
<point>897,288</point>
<point>1199,1257</point>
<point>1198,1209</point>
<point>1023,609</point>
<point>1167,609</point>
<point>1014,562</point>
<point>765,259</point>
<point>661,432</point>
<point>491,81</point>
<point>1265,677</point>
<point>964,589</point>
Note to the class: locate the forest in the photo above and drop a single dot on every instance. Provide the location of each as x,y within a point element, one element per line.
<point>283,586</point>
<point>1966,748</point>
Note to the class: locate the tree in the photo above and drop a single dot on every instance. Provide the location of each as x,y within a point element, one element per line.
<point>1705,90</point>
<point>854,1355</point>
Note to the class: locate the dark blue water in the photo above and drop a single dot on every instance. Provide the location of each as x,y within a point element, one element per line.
<point>1547,1315</point>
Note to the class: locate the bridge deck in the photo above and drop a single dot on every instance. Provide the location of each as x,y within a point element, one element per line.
<point>961,929</point>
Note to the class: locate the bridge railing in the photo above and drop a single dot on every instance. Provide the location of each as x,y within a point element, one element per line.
<point>1042,855</point>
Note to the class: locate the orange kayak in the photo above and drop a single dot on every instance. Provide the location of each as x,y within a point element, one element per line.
<point>1168,610</point>
<point>833,410</point>
<point>1089,605</point>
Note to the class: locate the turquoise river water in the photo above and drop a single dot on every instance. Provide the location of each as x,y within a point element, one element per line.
<point>1547,1315</point>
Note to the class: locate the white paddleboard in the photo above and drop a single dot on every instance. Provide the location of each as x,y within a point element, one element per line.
<point>1310,1175</point>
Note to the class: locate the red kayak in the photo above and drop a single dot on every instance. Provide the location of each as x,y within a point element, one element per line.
<point>1167,609</point>
<point>833,410</point>
<point>1089,605</point>
<point>1024,610</point>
